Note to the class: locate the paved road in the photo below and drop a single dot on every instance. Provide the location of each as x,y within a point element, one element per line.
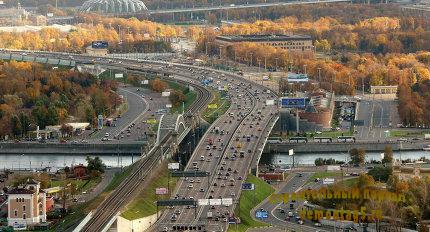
<point>221,184</point>
<point>140,108</point>
<point>379,114</point>
<point>258,5</point>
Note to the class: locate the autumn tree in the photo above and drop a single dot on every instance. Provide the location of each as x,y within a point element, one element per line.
<point>388,155</point>
<point>158,85</point>
<point>357,156</point>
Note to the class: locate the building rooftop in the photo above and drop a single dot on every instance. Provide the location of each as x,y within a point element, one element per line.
<point>20,191</point>
<point>262,37</point>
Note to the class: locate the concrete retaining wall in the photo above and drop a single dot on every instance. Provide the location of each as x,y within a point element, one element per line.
<point>337,147</point>
<point>138,225</point>
<point>58,148</point>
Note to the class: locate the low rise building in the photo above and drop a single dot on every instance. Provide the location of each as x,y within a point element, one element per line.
<point>26,205</point>
<point>96,51</point>
<point>79,171</point>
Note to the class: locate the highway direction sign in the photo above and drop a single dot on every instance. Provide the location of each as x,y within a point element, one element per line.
<point>248,186</point>
<point>119,75</point>
<point>261,214</point>
<point>173,166</point>
<point>293,102</point>
<point>215,202</point>
<point>221,201</point>
<point>190,174</point>
<point>203,201</point>
<point>176,202</point>
<point>297,77</point>
<point>227,201</point>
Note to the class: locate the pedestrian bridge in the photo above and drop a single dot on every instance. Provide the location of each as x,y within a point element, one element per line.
<point>174,123</point>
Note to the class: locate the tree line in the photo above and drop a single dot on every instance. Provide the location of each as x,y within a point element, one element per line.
<point>34,95</point>
<point>123,35</point>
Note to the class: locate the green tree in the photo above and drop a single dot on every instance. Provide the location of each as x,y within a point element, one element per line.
<point>381,173</point>
<point>176,97</point>
<point>95,164</point>
<point>16,126</point>
<point>319,161</point>
<point>388,155</point>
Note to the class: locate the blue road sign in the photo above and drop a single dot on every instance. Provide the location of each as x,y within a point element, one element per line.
<point>261,214</point>
<point>99,44</point>
<point>293,102</point>
<point>248,186</point>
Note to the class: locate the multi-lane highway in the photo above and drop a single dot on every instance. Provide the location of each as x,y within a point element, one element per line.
<point>226,152</point>
<point>241,6</point>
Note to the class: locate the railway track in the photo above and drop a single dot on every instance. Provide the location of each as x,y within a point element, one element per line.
<point>121,195</point>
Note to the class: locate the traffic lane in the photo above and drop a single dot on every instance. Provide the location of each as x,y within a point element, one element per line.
<point>295,184</point>
<point>214,181</point>
<point>139,130</point>
<point>183,189</point>
<point>137,107</point>
<point>238,164</point>
<point>204,184</point>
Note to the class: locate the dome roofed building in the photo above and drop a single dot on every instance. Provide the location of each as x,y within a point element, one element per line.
<point>113,6</point>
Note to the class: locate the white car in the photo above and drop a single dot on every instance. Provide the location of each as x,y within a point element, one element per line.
<point>190,186</point>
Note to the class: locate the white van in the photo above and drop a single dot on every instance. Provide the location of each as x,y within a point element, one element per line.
<point>202,158</point>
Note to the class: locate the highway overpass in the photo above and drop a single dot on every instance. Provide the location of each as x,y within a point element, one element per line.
<point>242,133</point>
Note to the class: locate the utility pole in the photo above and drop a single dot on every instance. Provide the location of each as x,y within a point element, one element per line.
<point>276,64</point>
<point>265,63</point>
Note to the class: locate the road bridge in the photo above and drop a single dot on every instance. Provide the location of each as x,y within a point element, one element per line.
<point>249,116</point>
<point>226,7</point>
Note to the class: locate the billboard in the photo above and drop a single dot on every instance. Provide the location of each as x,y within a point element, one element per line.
<point>165,94</point>
<point>297,77</point>
<point>99,44</point>
<point>160,191</point>
<point>119,75</point>
<point>168,105</point>
<point>291,152</point>
<point>173,166</point>
<point>248,186</point>
<point>293,102</point>
<point>144,82</point>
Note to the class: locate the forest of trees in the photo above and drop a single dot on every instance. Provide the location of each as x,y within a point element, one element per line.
<point>131,35</point>
<point>370,51</point>
<point>376,35</point>
<point>34,95</point>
